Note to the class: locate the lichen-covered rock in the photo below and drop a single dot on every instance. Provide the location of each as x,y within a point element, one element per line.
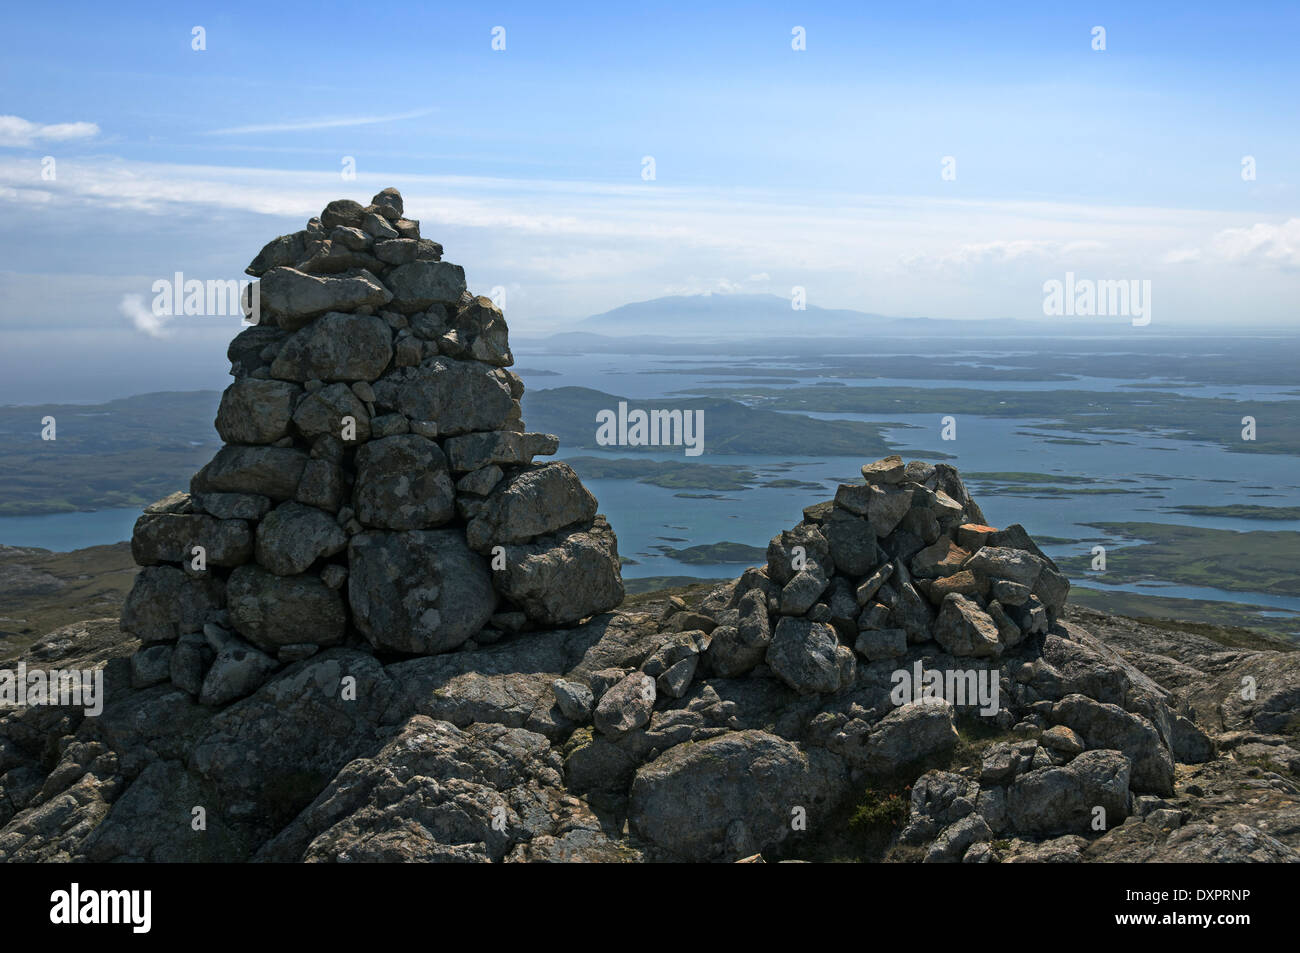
<point>905,736</point>
<point>270,754</point>
<point>172,538</point>
<point>403,483</point>
<point>285,250</point>
<point>271,611</point>
<point>336,347</point>
<point>803,655</point>
<point>563,577</point>
<point>793,551</point>
<point>237,671</point>
<point>294,298</point>
<point>253,410</point>
<point>460,396</point>
<point>1063,800</point>
<point>1110,726</point>
<point>533,502</point>
<point>1000,562</point>
<point>324,485</point>
<point>735,650</point>
<point>439,793</point>
<point>418,592</point>
<point>963,628</point>
<point>164,602</point>
<point>852,544</point>
<point>293,536</point>
<point>423,283</point>
<point>803,591</point>
<point>574,699</point>
<point>233,506</point>
<point>335,410</point>
<point>626,705</point>
<point>497,447</point>
<point>483,330</point>
<point>732,796</point>
<point>272,472</point>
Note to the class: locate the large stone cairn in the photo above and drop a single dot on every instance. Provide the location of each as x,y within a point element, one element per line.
<point>901,559</point>
<point>376,484</point>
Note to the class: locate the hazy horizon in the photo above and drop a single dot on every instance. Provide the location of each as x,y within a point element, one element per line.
<point>946,167</point>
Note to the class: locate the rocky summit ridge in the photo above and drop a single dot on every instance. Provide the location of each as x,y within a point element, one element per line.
<point>376,629</point>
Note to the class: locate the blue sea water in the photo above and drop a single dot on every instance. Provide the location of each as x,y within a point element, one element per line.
<point>1155,474</point>
<point>63,532</point>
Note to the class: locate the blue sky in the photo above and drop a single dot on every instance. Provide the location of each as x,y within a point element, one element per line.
<point>774,167</point>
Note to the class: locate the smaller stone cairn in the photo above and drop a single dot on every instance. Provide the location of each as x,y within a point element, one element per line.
<point>377,485</point>
<point>902,559</point>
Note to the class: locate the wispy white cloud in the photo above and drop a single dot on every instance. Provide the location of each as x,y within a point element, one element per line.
<point>574,248</point>
<point>1003,252</point>
<point>303,125</point>
<point>1277,244</point>
<point>1263,242</point>
<point>18,132</point>
<point>132,306</point>
<point>753,284</point>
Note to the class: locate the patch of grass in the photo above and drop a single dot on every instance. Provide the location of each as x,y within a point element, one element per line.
<point>1016,476</point>
<point>1242,511</point>
<point>879,815</point>
<point>1268,764</point>
<point>665,473</point>
<point>1255,561</point>
<point>734,426</point>
<point>1228,623</point>
<point>123,453</point>
<point>41,591</point>
<point>718,553</point>
<point>881,809</point>
<point>1233,638</point>
<point>974,736</point>
<point>653,588</point>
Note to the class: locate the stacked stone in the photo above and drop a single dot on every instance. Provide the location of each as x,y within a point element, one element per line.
<point>901,559</point>
<point>376,483</point>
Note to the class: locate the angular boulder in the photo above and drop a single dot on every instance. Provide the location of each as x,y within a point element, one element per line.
<point>271,611</point>
<point>803,654</point>
<point>336,347</point>
<point>294,297</point>
<point>531,503</point>
<point>164,603</point>
<point>272,472</point>
<point>171,538</point>
<point>964,629</point>
<point>459,396</point>
<point>907,735</point>
<point>421,284</point>
<point>253,410</point>
<point>732,796</point>
<point>1063,800</point>
<point>329,411</point>
<point>293,536</point>
<point>626,705</point>
<point>563,577</point>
